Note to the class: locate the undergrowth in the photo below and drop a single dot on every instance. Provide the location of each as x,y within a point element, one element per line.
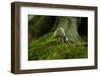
<point>48,48</point>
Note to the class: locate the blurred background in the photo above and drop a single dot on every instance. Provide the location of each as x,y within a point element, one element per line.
<point>38,25</point>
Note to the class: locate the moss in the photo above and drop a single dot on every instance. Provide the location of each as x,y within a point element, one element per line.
<point>47,48</point>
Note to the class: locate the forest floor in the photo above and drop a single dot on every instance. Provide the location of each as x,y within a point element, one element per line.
<point>47,48</point>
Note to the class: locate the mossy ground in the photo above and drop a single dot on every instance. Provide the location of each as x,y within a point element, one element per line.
<point>48,48</point>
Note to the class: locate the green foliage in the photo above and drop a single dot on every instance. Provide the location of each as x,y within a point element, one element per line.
<point>47,47</point>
